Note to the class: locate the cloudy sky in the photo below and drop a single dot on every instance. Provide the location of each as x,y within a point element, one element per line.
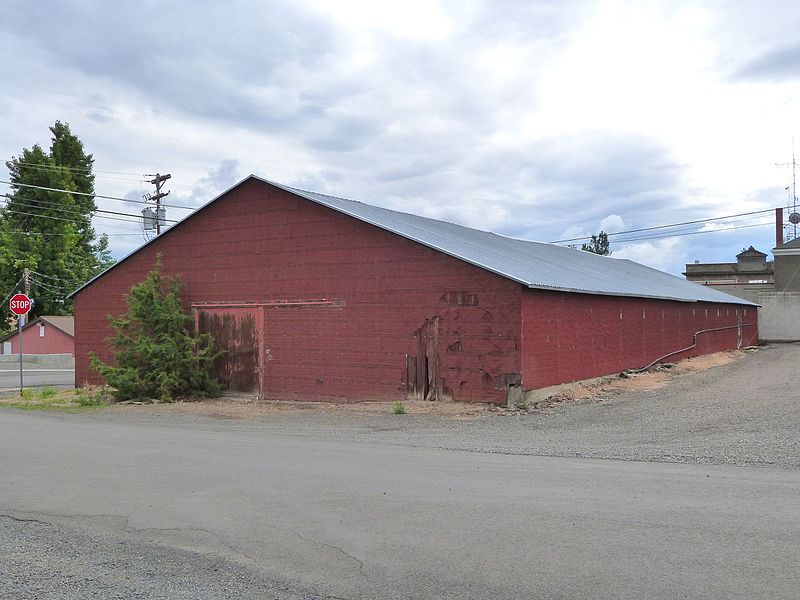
<point>542,120</point>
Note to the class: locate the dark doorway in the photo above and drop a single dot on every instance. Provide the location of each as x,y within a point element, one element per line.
<point>237,332</point>
<point>422,370</point>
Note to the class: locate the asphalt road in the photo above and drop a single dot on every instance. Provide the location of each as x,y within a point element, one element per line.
<point>112,507</point>
<point>34,376</point>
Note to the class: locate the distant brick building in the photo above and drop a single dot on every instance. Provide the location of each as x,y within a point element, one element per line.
<point>44,335</point>
<point>749,275</point>
<point>774,285</point>
<point>321,298</point>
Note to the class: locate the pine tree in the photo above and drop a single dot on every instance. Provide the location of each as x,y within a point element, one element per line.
<point>598,245</point>
<point>50,232</point>
<point>67,151</point>
<point>155,353</point>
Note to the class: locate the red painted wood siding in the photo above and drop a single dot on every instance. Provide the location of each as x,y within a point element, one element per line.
<point>261,244</point>
<point>54,341</point>
<point>568,337</point>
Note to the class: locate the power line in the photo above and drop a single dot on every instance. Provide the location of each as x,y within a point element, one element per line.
<point>52,168</point>
<point>134,177</point>
<point>49,189</point>
<point>14,287</point>
<point>35,203</point>
<point>38,283</point>
<point>669,235</point>
<point>678,229</point>
<point>58,280</point>
<point>17,212</point>
<point>588,237</point>
<point>14,210</point>
<point>20,232</point>
<point>50,276</point>
<point>75,169</point>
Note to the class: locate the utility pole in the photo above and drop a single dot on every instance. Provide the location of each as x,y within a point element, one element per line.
<point>158,180</point>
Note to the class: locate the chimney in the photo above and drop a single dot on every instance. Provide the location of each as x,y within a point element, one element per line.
<point>778,226</point>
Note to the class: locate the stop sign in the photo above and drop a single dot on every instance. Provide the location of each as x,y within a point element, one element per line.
<point>20,304</point>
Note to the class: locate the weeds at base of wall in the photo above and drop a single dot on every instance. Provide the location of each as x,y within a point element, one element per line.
<point>399,408</point>
<point>93,396</point>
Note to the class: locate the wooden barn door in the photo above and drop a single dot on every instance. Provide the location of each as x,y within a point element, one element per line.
<point>422,370</point>
<point>239,331</point>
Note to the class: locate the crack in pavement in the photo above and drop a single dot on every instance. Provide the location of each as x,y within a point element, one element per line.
<point>333,547</point>
<point>219,536</point>
<point>59,516</point>
<point>126,527</point>
<point>18,520</point>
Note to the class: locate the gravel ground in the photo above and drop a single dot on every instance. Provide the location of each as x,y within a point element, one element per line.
<point>44,560</point>
<point>742,413</point>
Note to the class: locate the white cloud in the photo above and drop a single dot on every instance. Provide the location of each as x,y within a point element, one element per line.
<point>659,254</point>
<point>543,120</point>
<point>717,226</point>
<point>612,224</point>
<point>415,19</point>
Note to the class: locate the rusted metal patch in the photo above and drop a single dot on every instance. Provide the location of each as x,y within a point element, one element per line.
<point>304,303</point>
<point>237,332</point>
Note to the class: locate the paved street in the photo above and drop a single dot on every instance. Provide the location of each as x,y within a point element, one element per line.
<point>34,376</point>
<point>687,490</point>
<point>115,507</point>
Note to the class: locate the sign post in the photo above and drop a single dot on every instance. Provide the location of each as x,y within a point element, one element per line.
<point>20,304</point>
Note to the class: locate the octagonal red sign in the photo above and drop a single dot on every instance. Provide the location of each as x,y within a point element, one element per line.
<point>20,304</point>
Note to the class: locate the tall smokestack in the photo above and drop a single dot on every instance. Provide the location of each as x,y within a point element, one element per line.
<point>778,226</point>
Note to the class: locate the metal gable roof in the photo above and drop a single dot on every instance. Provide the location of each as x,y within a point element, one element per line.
<point>533,264</point>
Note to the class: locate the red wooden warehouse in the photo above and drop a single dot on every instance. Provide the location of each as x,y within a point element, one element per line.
<point>321,298</point>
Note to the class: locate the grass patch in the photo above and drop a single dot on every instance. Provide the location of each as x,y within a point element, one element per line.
<point>399,408</point>
<point>49,398</point>
<point>46,392</point>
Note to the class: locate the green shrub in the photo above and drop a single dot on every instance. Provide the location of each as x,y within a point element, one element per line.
<point>156,353</point>
<point>399,408</point>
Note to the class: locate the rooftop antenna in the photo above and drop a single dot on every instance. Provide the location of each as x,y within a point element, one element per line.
<point>794,216</point>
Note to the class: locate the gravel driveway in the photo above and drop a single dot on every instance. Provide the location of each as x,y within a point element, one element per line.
<point>743,413</point>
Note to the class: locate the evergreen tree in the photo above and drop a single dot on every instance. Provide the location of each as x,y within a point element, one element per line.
<point>598,245</point>
<point>50,232</point>
<point>66,150</point>
<point>155,353</point>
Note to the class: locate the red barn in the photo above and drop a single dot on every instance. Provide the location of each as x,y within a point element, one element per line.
<point>321,298</point>
<point>44,335</point>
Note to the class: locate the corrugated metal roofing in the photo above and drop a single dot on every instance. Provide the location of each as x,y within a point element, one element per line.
<point>533,264</point>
